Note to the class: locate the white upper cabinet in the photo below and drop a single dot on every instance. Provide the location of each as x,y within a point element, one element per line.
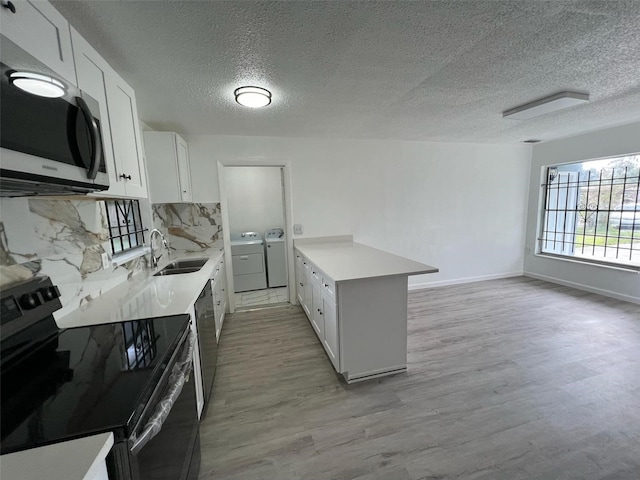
<point>38,28</point>
<point>126,137</point>
<point>119,115</point>
<point>91,71</point>
<point>168,167</point>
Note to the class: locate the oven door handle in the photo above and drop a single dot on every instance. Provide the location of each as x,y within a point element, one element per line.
<point>96,139</point>
<point>177,379</point>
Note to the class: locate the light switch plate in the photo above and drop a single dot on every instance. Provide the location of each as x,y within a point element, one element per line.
<point>105,260</point>
<point>298,229</point>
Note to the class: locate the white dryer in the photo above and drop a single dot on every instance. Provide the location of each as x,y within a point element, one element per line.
<point>247,254</point>
<point>276,257</point>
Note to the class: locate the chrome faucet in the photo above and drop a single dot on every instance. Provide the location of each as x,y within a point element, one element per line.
<point>154,259</point>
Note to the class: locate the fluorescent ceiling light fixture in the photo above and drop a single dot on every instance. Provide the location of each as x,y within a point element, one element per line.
<point>253,97</point>
<point>38,84</point>
<point>550,104</point>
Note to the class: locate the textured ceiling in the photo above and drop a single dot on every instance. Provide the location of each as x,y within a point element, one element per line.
<point>421,70</point>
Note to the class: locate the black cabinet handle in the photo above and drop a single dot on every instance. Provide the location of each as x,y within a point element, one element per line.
<point>9,5</point>
<point>126,177</point>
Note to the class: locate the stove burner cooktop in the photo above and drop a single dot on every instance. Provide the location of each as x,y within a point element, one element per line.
<point>62,384</point>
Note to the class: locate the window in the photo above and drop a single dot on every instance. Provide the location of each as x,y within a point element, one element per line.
<point>125,225</point>
<point>592,211</point>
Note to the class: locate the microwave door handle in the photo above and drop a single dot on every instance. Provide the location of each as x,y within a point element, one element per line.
<point>177,379</point>
<point>96,139</point>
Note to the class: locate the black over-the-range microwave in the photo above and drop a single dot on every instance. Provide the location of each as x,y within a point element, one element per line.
<point>50,133</point>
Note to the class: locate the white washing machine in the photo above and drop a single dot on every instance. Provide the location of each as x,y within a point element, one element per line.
<point>276,261</point>
<point>247,254</point>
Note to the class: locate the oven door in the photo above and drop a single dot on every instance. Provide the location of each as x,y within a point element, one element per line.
<point>165,444</point>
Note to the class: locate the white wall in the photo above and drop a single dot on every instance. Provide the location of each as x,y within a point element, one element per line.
<point>254,198</point>
<point>459,207</point>
<point>604,143</point>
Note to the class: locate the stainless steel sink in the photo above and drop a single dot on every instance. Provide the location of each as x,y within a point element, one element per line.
<point>182,266</point>
<point>175,271</point>
<point>188,263</point>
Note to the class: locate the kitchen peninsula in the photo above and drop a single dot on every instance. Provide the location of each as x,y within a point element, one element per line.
<point>355,297</point>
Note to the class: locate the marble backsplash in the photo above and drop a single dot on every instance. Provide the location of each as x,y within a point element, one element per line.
<point>63,239</point>
<point>189,227</point>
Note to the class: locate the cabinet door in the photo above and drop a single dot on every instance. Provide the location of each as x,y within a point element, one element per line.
<point>222,279</point>
<point>298,260</point>
<point>184,172</point>
<point>217,304</point>
<point>317,315</point>
<point>162,167</point>
<point>39,29</point>
<point>91,70</point>
<point>331,340</point>
<point>220,297</point>
<point>307,295</point>
<point>300,286</point>
<point>125,133</point>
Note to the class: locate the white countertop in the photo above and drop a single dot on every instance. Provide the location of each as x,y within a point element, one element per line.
<point>78,459</point>
<point>145,296</point>
<point>348,260</point>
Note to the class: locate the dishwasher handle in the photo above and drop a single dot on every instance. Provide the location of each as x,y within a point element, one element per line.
<point>177,379</point>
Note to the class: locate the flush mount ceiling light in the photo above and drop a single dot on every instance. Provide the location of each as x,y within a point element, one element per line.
<point>545,105</point>
<point>253,97</point>
<point>38,84</point>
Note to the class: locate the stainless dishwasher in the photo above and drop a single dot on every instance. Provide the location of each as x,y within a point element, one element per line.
<point>206,325</point>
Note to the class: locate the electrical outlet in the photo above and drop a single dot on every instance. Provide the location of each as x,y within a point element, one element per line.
<point>106,261</point>
<point>298,229</point>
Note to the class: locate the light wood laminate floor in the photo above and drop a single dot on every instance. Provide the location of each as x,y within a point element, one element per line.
<point>507,379</point>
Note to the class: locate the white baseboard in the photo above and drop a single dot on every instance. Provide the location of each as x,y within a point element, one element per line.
<point>457,281</point>
<point>580,286</point>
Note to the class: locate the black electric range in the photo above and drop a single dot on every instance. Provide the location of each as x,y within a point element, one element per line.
<point>58,385</point>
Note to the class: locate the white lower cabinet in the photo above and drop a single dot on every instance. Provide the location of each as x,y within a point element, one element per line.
<point>299,286</point>
<point>360,322</point>
<point>304,288</point>
<point>330,342</point>
<point>316,294</point>
<point>308,289</point>
<point>219,284</point>
<point>317,315</point>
